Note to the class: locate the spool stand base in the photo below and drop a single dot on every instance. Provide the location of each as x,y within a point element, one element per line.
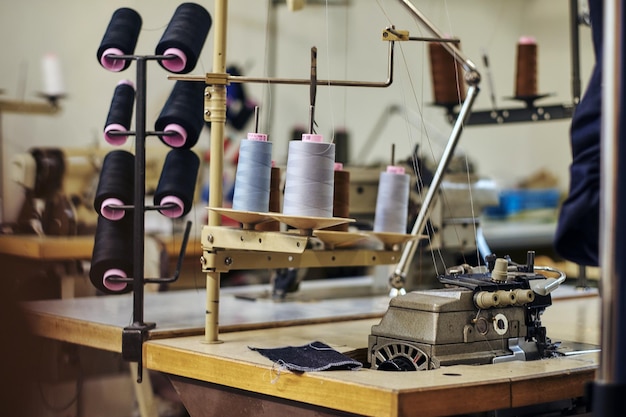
<point>133,337</point>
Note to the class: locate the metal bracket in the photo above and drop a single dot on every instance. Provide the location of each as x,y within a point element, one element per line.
<point>216,237</point>
<point>213,78</point>
<point>132,344</point>
<point>390,34</point>
<point>229,259</point>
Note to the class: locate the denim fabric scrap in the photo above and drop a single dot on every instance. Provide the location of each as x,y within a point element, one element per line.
<point>315,356</point>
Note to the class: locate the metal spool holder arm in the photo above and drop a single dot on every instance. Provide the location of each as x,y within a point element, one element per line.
<point>215,113</point>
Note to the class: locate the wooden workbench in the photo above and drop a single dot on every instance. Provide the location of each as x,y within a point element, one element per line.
<point>22,255</point>
<point>60,248</point>
<point>229,379</point>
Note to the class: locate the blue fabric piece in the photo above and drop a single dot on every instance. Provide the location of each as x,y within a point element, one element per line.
<point>315,356</point>
<point>577,234</point>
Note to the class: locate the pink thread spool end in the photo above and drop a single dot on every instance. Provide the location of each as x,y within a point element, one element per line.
<point>172,212</point>
<point>260,137</point>
<point>394,169</point>
<point>112,285</point>
<point>176,137</point>
<point>111,213</point>
<point>174,64</point>
<point>115,140</point>
<point>311,137</point>
<point>338,166</point>
<point>527,40</point>
<point>112,64</point>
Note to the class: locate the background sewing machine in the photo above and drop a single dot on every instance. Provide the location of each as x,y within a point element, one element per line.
<point>57,212</point>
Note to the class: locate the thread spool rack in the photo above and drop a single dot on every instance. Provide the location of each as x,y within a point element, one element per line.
<point>134,335</point>
<point>533,111</point>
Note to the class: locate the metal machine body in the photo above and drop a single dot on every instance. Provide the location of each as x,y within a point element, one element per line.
<point>484,315</point>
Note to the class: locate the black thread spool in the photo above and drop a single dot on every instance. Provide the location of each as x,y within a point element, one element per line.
<point>184,38</point>
<point>182,116</point>
<point>447,77</point>
<point>120,112</point>
<point>116,184</point>
<point>177,182</point>
<point>526,70</point>
<point>120,38</point>
<point>112,255</point>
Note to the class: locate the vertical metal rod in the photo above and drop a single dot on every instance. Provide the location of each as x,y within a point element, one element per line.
<point>608,391</point>
<point>610,153</point>
<point>256,119</point>
<point>411,246</point>
<point>140,191</point>
<point>216,168</point>
<point>313,90</point>
<point>270,64</point>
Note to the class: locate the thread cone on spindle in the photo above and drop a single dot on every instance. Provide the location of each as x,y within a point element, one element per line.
<point>309,178</point>
<point>392,201</point>
<point>341,197</point>
<point>447,77</point>
<point>526,70</point>
<point>253,176</point>
<point>274,204</point>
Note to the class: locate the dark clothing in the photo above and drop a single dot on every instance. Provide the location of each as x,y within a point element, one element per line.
<point>577,234</point>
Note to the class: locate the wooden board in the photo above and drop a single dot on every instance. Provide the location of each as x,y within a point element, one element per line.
<point>177,346</point>
<point>60,248</point>
<point>99,321</point>
<point>367,391</point>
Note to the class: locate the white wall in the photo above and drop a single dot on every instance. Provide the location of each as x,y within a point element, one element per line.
<point>349,47</point>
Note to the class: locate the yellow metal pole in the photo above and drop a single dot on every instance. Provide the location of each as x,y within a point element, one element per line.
<point>215,112</point>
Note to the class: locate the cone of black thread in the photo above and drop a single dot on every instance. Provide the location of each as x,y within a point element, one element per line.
<point>120,112</point>
<point>183,109</point>
<point>184,37</point>
<point>112,254</point>
<point>177,182</point>
<point>120,37</point>
<point>116,183</point>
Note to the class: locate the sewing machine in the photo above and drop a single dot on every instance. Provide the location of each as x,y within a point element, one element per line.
<point>486,315</point>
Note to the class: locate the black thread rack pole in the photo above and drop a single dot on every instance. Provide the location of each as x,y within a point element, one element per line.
<point>140,191</point>
<point>134,335</point>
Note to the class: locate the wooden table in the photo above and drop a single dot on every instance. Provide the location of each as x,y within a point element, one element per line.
<point>229,379</point>
<point>21,254</point>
